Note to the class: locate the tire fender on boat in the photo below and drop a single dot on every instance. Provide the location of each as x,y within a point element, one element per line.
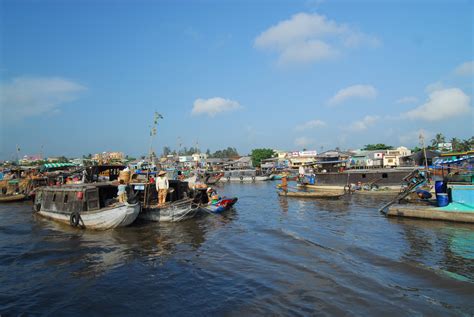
<point>241,178</point>
<point>228,178</point>
<point>37,207</point>
<point>74,219</point>
<point>253,178</point>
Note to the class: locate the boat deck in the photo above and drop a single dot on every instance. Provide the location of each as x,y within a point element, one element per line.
<point>453,212</point>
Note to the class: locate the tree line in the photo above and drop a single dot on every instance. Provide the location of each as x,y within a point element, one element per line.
<point>458,145</point>
<point>229,152</point>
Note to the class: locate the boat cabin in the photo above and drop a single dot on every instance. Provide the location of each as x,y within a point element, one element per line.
<point>146,192</point>
<point>71,198</point>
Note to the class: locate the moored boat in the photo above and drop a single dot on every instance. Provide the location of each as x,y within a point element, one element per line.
<point>179,205</point>
<point>12,198</point>
<point>88,206</point>
<point>312,194</point>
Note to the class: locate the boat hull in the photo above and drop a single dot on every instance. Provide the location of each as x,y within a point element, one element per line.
<point>172,213</point>
<point>330,195</point>
<point>106,218</point>
<point>432,213</point>
<point>221,206</point>
<point>246,179</point>
<point>12,198</point>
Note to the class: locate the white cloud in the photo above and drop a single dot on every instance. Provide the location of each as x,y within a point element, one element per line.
<point>441,105</point>
<point>364,124</point>
<point>306,38</point>
<point>303,142</point>
<point>32,96</point>
<point>356,91</point>
<point>311,125</point>
<point>214,106</point>
<point>413,137</point>
<point>434,86</point>
<point>407,100</point>
<point>465,69</point>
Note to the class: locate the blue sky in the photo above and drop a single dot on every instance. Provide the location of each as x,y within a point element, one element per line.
<point>86,76</point>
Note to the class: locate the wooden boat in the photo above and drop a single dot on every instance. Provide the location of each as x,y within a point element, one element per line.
<point>312,194</point>
<point>179,204</point>
<point>213,178</point>
<point>431,212</point>
<point>12,198</point>
<point>89,206</point>
<point>172,212</point>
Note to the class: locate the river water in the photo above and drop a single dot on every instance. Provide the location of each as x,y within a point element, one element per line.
<point>268,256</point>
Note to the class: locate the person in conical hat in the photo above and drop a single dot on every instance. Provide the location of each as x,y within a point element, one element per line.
<point>162,186</point>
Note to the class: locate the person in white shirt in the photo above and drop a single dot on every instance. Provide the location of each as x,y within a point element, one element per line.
<point>162,186</point>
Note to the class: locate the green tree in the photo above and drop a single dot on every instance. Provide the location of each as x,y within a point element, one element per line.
<point>62,159</point>
<point>166,150</point>
<point>378,146</point>
<point>439,138</point>
<point>466,144</point>
<point>226,153</point>
<point>261,154</point>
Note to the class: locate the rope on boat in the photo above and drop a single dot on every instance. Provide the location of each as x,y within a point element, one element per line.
<point>181,217</point>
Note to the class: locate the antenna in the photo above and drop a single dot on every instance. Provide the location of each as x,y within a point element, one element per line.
<point>153,130</point>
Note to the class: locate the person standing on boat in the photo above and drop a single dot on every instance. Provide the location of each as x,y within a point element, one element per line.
<point>284,183</point>
<point>162,186</point>
<point>122,193</point>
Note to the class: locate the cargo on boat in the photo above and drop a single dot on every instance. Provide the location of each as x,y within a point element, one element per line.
<point>88,206</point>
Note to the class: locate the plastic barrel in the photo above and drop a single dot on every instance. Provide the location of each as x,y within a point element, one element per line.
<point>439,187</point>
<point>442,199</point>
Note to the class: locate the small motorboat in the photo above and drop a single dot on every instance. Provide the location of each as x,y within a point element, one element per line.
<point>222,205</point>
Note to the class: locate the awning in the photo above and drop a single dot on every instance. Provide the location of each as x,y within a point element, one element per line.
<point>56,165</point>
<point>453,161</point>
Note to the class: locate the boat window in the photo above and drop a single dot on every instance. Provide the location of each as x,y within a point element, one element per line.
<point>384,175</point>
<point>54,197</point>
<point>65,198</point>
<point>364,176</point>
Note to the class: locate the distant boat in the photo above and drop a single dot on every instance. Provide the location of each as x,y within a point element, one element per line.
<point>88,206</point>
<point>244,176</point>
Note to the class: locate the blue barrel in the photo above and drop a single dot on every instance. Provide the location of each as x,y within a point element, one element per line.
<point>439,187</point>
<point>311,180</point>
<point>442,199</point>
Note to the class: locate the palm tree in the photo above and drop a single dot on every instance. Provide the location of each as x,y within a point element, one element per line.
<point>439,138</point>
<point>455,144</point>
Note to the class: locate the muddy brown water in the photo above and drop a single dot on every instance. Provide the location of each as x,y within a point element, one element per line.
<point>269,256</point>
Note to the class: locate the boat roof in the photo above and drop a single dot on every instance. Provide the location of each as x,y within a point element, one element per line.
<point>76,187</point>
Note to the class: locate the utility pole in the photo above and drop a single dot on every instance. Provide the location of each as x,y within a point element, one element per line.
<point>179,146</point>
<point>18,154</point>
